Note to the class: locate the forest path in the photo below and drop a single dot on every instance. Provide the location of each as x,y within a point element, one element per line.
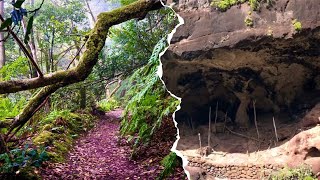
<point>97,155</point>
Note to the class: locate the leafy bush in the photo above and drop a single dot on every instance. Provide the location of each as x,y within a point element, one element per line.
<point>108,105</point>
<point>301,173</point>
<point>22,158</point>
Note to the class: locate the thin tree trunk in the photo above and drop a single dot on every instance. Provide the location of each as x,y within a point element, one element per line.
<point>82,91</point>
<point>51,51</point>
<point>115,89</point>
<point>2,47</point>
<point>32,50</point>
<point>32,41</point>
<point>90,11</point>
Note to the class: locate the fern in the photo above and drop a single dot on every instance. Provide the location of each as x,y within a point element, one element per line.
<point>10,108</point>
<point>148,102</point>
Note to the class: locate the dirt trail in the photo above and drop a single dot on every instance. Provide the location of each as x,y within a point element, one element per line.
<point>98,156</point>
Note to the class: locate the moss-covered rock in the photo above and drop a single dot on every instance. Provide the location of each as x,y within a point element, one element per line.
<point>44,138</point>
<point>47,127</point>
<point>55,157</point>
<point>59,129</point>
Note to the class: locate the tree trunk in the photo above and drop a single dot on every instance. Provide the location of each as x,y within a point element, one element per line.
<point>82,90</point>
<point>51,52</point>
<point>2,48</point>
<point>32,41</point>
<point>115,89</point>
<point>32,50</point>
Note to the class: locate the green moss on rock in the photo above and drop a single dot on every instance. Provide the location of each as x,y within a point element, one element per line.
<point>297,25</point>
<point>47,127</point>
<point>55,157</point>
<point>248,21</point>
<point>44,138</point>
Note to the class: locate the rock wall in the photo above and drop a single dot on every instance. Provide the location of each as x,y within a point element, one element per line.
<point>250,171</point>
<point>215,56</point>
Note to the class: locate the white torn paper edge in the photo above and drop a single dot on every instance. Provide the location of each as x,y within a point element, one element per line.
<point>160,73</point>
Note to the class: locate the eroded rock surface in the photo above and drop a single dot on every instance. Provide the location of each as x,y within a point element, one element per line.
<point>214,56</point>
<point>271,67</point>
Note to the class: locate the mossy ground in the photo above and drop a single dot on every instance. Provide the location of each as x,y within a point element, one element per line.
<point>58,131</point>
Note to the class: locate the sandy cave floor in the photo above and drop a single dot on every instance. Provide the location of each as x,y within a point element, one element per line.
<point>233,150</point>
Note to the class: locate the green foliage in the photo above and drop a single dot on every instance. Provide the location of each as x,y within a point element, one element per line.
<point>132,42</point>
<point>14,69</point>
<point>126,2</point>
<point>224,5</point>
<point>70,97</point>
<point>297,25</point>
<point>28,30</point>
<point>301,173</point>
<point>75,122</point>
<point>108,105</point>
<point>170,162</point>
<point>149,103</point>
<point>57,34</point>
<point>10,108</point>
<point>58,129</point>
<point>254,4</point>
<point>18,3</point>
<point>21,158</point>
<point>6,23</point>
<point>44,138</point>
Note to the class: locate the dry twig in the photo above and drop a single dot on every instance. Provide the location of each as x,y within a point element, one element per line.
<point>242,135</point>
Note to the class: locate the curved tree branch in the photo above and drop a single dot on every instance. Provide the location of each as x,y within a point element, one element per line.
<point>94,45</point>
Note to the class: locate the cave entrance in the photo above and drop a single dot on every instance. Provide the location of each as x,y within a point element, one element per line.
<point>226,135</point>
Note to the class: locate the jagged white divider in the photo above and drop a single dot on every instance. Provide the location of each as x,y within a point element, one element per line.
<point>160,73</point>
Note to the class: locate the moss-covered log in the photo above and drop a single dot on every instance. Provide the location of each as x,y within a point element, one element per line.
<point>95,43</point>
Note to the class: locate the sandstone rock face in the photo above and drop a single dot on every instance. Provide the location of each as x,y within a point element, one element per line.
<point>272,67</point>
<point>196,173</point>
<point>214,57</point>
<point>304,148</point>
<point>312,118</point>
